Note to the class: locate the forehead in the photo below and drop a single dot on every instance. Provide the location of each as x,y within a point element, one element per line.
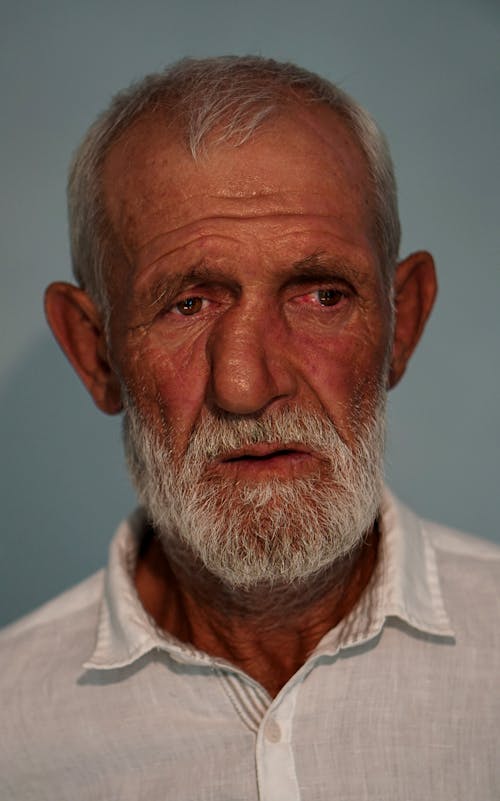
<point>303,163</point>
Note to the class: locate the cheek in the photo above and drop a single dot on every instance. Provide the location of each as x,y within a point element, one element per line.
<point>345,373</point>
<point>167,386</point>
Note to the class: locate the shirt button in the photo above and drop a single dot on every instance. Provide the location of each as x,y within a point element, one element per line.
<point>273,731</point>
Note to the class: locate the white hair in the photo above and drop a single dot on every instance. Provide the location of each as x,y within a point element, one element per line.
<point>275,532</point>
<point>231,96</point>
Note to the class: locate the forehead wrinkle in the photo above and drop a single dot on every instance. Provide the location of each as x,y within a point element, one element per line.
<point>204,233</point>
<point>151,266</point>
<point>243,217</point>
<point>314,260</point>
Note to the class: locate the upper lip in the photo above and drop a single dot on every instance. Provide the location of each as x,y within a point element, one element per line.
<point>261,450</point>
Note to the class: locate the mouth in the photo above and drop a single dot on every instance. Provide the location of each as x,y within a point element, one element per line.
<point>263,453</point>
<point>268,460</point>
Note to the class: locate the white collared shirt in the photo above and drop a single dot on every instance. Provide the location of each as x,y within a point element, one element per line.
<point>399,702</point>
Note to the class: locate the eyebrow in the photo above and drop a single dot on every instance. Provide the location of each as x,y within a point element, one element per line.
<point>316,265</point>
<point>320,263</point>
<point>169,286</point>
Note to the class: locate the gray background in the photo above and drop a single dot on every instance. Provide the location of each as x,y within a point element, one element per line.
<point>427,70</point>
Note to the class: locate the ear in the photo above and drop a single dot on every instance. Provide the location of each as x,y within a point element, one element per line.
<point>78,328</point>
<point>415,288</point>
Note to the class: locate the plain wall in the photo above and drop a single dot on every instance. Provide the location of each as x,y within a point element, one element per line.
<point>427,71</point>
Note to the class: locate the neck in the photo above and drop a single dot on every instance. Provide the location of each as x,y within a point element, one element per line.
<point>268,631</point>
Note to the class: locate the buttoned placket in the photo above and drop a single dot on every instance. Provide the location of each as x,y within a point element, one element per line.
<point>272,722</point>
<point>276,774</point>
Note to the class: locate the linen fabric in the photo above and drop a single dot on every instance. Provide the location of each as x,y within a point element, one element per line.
<point>399,702</point>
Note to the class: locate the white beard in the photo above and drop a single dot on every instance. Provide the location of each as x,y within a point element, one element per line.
<point>268,532</point>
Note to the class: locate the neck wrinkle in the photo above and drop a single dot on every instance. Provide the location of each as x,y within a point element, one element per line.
<point>269,631</point>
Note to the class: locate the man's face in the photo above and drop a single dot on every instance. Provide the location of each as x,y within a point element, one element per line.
<point>249,288</point>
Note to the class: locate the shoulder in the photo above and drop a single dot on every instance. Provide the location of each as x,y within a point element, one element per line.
<point>40,697</point>
<point>469,574</point>
<point>64,625</point>
<point>470,558</point>
<point>453,543</point>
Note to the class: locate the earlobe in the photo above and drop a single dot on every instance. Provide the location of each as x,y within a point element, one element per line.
<point>78,328</point>
<point>415,288</point>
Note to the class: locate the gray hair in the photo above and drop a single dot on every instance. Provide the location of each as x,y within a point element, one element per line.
<point>228,97</point>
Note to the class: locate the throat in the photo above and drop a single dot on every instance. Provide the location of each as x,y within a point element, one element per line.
<point>268,632</point>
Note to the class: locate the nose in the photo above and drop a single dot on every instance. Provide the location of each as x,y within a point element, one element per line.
<point>249,365</point>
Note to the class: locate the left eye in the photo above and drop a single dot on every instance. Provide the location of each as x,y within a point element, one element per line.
<point>189,306</point>
<point>329,297</point>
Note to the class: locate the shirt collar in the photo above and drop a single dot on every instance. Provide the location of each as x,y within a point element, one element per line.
<point>405,584</point>
<point>125,631</point>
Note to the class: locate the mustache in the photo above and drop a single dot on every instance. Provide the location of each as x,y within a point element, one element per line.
<point>215,436</point>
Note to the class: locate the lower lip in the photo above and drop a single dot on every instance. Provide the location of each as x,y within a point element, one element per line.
<point>281,465</point>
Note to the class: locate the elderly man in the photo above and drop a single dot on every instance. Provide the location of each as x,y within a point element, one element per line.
<point>272,625</point>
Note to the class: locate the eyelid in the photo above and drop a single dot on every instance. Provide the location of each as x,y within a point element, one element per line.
<point>309,301</point>
<point>172,295</point>
<point>321,280</point>
<point>311,287</point>
<point>212,296</point>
